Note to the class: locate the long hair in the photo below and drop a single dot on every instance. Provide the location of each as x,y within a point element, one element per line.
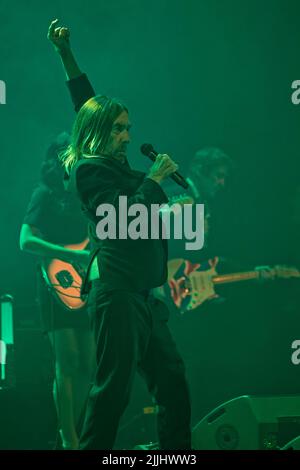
<point>92,129</point>
<point>52,171</point>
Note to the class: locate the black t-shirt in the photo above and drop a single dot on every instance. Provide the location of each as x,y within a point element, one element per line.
<point>57,216</point>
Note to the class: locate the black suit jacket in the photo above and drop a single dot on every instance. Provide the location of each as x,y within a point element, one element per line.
<point>123,263</point>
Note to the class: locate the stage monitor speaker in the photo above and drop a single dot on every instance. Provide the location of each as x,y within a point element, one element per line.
<point>249,423</point>
<point>292,445</point>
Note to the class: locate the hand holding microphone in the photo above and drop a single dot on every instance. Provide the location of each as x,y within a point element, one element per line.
<point>163,166</point>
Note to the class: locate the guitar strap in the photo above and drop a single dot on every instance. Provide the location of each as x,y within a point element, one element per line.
<point>85,287</point>
<point>194,189</point>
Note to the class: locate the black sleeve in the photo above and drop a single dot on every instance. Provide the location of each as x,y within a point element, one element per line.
<point>101,183</point>
<point>80,90</point>
<point>37,208</point>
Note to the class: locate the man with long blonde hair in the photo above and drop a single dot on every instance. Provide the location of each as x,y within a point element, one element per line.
<point>130,326</point>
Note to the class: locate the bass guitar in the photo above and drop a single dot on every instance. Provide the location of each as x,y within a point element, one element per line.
<point>64,279</point>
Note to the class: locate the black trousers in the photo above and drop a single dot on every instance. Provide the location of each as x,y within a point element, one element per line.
<point>131,334</point>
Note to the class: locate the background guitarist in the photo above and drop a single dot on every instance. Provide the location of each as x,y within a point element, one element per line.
<point>53,219</point>
<point>207,176</point>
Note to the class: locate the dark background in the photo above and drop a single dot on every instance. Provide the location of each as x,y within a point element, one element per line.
<point>193,73</point>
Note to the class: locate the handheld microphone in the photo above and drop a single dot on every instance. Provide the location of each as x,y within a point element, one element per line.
<point>148,150</point>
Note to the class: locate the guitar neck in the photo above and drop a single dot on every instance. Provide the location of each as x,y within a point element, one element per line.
<point>235,277</point>
<point>275,273</point>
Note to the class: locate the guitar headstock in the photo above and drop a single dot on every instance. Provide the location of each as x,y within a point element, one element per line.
<point>286,272</point>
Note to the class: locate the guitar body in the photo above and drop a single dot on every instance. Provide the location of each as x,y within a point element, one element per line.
<point>191,287</point>
<point>64,280</point>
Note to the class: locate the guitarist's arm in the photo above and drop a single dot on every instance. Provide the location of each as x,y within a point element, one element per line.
<point>31,241</point>
<point>79,86</point>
